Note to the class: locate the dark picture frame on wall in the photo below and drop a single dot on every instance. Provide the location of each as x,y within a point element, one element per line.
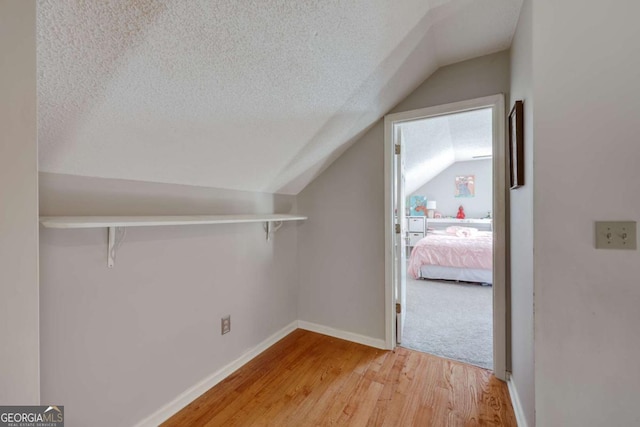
<point>516,145</point>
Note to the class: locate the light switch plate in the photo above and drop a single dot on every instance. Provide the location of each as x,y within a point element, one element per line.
<point>616,235</point>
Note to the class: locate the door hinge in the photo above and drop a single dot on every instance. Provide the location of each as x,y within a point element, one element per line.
<point>397,148</point>
<point>398,228</point>
<point>398,308</point>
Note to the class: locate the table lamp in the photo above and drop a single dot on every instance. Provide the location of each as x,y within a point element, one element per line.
<point>431,208</point>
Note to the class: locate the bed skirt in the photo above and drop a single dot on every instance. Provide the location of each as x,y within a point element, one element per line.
<point>438,272</point>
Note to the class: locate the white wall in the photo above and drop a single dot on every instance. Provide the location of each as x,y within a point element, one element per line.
<point>19,358</point>
<point>586,66</point>
<point>442,189</point>
<point>139,334</point>
<point>342,244</point>
<point>521,232</point>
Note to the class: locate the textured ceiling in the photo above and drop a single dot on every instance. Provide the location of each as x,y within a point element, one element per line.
<point>432,145</point>
<point>247,95</point>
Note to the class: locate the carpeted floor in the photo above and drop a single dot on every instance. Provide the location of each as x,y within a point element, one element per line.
<point>451,320</point>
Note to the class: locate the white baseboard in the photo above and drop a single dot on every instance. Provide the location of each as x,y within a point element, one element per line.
<point>194,392</point>
<point>337,333</point>
<point>515,401</point>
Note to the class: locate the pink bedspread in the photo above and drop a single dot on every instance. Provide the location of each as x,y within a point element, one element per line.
<point>449,250</point>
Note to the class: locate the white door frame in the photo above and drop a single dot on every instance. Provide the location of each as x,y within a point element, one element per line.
<point>499,218</point>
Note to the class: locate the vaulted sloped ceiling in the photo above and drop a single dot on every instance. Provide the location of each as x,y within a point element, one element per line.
<point>250,95</point>
<point>434,144</point>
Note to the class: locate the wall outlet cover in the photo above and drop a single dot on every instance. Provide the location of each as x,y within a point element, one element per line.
<point>225,325</point>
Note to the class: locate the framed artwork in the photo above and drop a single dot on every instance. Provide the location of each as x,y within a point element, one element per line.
<point>465,186</point>
<point>417,206</point>
<point>516,145</point>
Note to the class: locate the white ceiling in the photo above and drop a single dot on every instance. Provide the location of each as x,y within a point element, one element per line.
<point>237,94</point>
<point>432,145</point>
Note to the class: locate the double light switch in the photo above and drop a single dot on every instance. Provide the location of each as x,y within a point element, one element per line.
<point>616,235</point>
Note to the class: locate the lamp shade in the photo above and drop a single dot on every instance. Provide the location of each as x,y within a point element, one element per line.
<point>431,204</point>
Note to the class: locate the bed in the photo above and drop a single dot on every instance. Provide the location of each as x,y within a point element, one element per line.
<point>454,253</point>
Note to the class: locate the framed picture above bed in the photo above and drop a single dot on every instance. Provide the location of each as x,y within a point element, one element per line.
<point>516,145</point>
<point>465,186</point>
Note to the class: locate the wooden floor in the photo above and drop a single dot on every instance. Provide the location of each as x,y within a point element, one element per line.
<point>308,379</point>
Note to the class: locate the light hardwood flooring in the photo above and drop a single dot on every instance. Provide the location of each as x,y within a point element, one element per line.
<point>308,379</point>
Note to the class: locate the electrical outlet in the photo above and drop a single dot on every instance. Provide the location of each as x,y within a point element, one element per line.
<point>225,325</point>
<point>616,235</point>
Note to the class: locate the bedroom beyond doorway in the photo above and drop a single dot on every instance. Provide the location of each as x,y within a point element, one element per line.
<point>448,170</point>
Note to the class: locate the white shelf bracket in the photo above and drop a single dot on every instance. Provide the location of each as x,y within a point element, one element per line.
<point>271,227</point>
<point>116,237</point>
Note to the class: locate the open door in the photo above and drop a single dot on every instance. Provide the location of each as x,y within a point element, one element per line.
<point>400,238</point>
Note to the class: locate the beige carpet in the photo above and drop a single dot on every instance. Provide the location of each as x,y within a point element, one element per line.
<point>450,319</point>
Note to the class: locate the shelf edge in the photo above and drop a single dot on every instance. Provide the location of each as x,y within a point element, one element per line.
<point>68,222</point>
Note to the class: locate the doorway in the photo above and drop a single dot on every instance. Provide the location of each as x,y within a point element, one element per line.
<point>404,216</point>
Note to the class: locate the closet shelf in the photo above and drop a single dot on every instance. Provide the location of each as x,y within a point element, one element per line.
<point>154,221</point>
<point>116,225</point>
